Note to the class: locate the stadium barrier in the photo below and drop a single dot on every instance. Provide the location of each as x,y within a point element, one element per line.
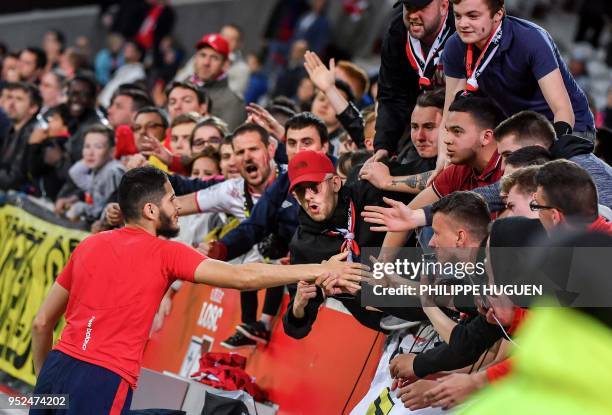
<point>32,252</point>
<point>328,372</point>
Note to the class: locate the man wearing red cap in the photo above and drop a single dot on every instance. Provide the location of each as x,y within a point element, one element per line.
<point>328,225</point>
<point>210,66</point>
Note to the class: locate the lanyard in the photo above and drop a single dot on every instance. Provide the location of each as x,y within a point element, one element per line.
<point>348,234</point>
<point>474,71</point>
<point>419,63</point>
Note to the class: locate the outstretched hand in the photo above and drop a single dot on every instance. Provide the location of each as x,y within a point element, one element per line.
<point>343,277</point>
<point>396,218</point>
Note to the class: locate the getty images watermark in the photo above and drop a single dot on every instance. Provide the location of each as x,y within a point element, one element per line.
<point>459,276</point>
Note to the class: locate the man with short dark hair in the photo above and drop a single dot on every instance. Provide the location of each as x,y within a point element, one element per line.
<point>410,62</point>
<point>473,153</point>
<point>209,73</point>
<point>186,97</point>
<point>566,196</point>
<point>418,156</point>
<point>461,219</point>
<point>517,189</point>
<point>488,41</point>
<point>21,105</point>
<point>528,128</point>
<point>472,150</point>
<point>277,210</point>
<point>110,300</point>
<point>527,156</point>
<point>124,104</point>
<point>32,62</point>
<point>461,226</point>
<point>237,197</point>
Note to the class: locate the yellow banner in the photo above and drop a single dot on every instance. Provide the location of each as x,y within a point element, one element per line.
<point>32,254</point>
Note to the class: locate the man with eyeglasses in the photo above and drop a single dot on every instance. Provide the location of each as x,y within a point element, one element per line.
<point>566,197</point>
<point>328,225</point>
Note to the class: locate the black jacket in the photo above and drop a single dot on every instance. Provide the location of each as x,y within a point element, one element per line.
<point>13,157</point>
<point>311,244</point>
<point>47,179</point>
<point>352,122</point>
<point>568,146</point>
<point>398,86</point>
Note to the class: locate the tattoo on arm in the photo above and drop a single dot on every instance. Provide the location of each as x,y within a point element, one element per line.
<point>416,181</point>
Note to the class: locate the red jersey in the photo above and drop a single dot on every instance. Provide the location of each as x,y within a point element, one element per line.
<point>116,280</point>
<point>461,177</point>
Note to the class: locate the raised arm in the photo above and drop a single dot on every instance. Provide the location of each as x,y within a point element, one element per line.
<point>325,80</point>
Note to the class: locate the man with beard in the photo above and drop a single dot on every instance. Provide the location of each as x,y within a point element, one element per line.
<point>112,285</point>
<point>410,63</point>
<point>255,155</point>
<point>21,105</point>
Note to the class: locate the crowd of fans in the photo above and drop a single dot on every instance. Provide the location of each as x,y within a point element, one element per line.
<point>475,132</point>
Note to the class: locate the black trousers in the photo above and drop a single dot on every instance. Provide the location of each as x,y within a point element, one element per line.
<point>249,303</point>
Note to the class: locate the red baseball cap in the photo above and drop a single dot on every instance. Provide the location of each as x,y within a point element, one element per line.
<point>309,166</point>
<point>215,41</point>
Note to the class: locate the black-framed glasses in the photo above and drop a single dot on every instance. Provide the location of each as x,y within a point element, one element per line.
<point>535,207</point>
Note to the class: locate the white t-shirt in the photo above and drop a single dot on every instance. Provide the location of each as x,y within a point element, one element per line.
<point>380,399</point>
<point>228,197</point>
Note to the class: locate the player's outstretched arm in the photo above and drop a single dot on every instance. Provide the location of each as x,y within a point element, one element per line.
<point>248,277</point>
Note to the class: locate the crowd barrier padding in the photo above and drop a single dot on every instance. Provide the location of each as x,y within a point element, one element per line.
<point>32,253</point>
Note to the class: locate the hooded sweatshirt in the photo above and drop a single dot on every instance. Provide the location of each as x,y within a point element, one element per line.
<point>313,243</point>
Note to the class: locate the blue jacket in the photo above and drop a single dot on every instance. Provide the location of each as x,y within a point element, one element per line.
<point>184,185</point>
<point>276,212</point>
